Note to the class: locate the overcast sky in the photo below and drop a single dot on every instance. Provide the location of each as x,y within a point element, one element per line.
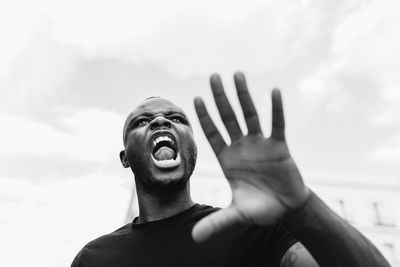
<point>70,72</point>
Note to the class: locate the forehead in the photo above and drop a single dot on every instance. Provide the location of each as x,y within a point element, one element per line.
<point>154,106</point>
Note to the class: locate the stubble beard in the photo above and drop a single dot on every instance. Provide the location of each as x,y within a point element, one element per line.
<point>144,174</point>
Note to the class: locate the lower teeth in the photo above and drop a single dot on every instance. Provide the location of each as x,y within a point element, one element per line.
<point>167,163</point>
<point>163,160</point>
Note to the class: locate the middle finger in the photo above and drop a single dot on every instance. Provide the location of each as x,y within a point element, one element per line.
<point>225,109</point>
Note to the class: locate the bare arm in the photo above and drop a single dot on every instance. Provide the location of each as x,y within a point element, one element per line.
<point>298,256</point>
<point>329,238</point>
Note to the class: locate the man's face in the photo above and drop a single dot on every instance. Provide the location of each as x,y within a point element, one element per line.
<point>159,144</point>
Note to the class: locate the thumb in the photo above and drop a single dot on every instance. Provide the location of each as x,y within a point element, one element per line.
<point>215,222</point>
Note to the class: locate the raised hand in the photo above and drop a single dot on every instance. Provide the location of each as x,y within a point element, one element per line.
<point>264,179</point>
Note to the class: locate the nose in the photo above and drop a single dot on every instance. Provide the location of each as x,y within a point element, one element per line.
<point>159,122</point>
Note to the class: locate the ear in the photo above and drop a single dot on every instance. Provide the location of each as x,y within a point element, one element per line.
<point>123,159</point>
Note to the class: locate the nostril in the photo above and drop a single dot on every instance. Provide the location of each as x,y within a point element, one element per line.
<point>159,121</point>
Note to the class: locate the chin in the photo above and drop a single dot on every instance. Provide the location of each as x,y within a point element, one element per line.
<point>171,179</point>
<point>167,176</point>
<point>153,176</point>
<point>158,184</point>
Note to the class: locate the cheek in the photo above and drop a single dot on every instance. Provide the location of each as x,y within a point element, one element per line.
<point>189,146</point>
<point>135,146</point>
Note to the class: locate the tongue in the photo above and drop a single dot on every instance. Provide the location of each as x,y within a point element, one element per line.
<point>164,153</point>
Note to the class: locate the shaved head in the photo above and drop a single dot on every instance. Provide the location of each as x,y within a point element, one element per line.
<point>146,106</point>
<point>168,163</point>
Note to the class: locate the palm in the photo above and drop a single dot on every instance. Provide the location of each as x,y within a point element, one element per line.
<point>264,179</point>
<point>250,171</point>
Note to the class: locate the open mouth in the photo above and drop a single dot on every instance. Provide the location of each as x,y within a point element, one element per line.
<point>165,152</point>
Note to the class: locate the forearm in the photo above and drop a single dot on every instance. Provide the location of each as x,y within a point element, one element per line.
<point>331,240</point>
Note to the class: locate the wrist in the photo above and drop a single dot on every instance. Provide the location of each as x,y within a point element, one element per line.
<point>304,211</point>
<point>295,201</point>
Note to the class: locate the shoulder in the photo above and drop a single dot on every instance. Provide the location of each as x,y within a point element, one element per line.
<point>204,209</point>
<point>104,240</point>
<point>197,212</point>
<point>192,214</point>
<point>97,246</point>
<point>124,230</point>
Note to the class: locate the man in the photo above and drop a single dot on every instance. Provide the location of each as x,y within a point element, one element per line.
<point>272,212</point>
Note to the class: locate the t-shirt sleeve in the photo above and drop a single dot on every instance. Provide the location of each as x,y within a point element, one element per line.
<point>266,244</point>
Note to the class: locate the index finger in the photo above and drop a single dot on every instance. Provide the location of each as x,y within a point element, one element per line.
<point>225,109</point>
<point>210,130</point>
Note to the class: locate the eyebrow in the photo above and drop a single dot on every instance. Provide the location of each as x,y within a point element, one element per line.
<point>149,114</point>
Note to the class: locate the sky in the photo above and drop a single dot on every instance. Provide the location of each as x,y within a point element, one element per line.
<point>71,71</point>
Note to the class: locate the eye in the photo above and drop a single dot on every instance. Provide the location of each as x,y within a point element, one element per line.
<point>177,119</point>
<point>142,122</point>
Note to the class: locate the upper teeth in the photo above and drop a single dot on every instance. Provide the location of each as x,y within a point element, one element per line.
<point>162,138</point>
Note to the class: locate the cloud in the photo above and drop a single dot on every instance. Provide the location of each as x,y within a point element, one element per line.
<point>72,70</point>
<point>334,61</point>
<point>363,58</point>
<point>114,85</point>
<point>58,69</point>
<point>358,81</point>
<point>50,80</point>
<point>41,153</point>
<point>273,38</point>
<point>33,86</point>
<point>92,135</point>
<point>199,37</point>
<point>41,169</point>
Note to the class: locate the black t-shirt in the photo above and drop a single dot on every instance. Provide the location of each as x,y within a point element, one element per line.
<point>168,242</point>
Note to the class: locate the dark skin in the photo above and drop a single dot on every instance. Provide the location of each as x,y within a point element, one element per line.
<point>162,192</point>
<point>265,181</point>
<point>166,192</point>
<point>263,176</point>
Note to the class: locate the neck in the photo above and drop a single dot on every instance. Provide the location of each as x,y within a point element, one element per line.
<point>163,203</point>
